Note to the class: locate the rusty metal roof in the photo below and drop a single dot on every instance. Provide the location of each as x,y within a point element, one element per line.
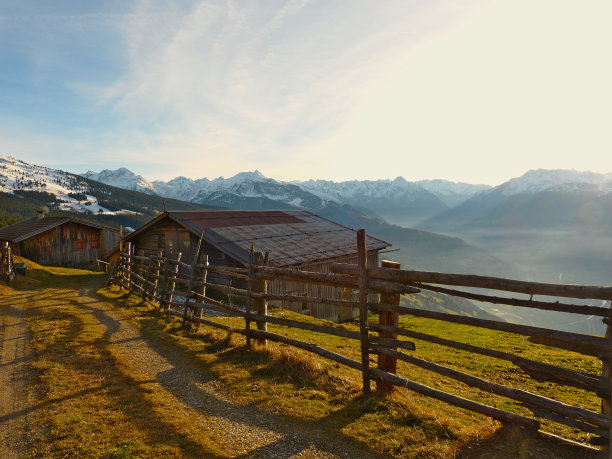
<point>221,218</point>
<point>291,236</point>
<point>26,229</point>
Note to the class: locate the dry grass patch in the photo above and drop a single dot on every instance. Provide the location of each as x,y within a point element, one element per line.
<point>93,404</point>
<point>90,404</point>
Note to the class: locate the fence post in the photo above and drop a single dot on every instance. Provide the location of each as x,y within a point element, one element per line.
<point>129,267</point>
<point>261,286</point>
<point>362,258</point>
<point>203,276</point>
<point>390,318</point>
<point>187,310</point>
<point>119,271</point>
<point>173,280</point>
<point>606,403</point>
<point>6,262</point>
<point>247,308</point>
<point>140,271</point>
<point>157,273</point>
<point>164,287</point>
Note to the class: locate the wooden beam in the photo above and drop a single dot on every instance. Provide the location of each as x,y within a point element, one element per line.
<point>487,282</point>
<point>363,309</point>
<point>529,398</point>
<point>308,347</point>
<point>537,370</point>
<point>387,362</point>
<point>544,305</point>
<point>461,402</point>
<point>336,331</point>
<point>584,344</point>
<point>306,299</point>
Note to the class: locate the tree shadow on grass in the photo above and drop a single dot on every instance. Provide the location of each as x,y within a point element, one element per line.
<point>510,442</point>
<point>120,392</point>
<point>188,376</point>
<point>506,442</point>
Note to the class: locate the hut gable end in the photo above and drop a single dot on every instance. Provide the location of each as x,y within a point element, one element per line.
<point>294,239</point>
<point>60,241</point>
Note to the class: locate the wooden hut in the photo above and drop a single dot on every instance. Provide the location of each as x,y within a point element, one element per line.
<point>293,238</point>
<point>60,241</point>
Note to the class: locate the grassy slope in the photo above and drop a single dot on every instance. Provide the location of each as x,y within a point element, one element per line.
<point>17,207</point>
<point>89,403</point>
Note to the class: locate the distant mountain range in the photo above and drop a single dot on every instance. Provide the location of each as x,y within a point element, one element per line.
<point>25,188</point>
<point>556,223</point>
<point>547,225</point>
<point>399,201</point>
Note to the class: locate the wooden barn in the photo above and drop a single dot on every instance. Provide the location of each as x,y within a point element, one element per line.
<point>293,238</point>
<point>60,241</point>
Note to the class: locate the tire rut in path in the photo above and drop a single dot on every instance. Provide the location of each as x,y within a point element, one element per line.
<point>14,379</point>
<point>247,430</point>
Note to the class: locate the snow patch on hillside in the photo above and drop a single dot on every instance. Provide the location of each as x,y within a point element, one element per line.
<point>70,190</point>
<point>538,180</point>
<point>121,178</point>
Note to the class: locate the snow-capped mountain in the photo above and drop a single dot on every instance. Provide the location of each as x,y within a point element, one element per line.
<point>398,200</point>
<point>558,222</point>
<point>538,198</point>
<point>26,188</point>
<point>538,180</point>
<point>240,187</point>
<point>450,193</point>
<point>121,178</point>
<point>65,191</point>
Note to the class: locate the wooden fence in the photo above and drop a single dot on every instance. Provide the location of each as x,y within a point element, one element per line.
<point>7,267</point>
<point>156,278</point>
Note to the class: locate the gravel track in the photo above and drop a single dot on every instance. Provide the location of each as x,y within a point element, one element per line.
<point>14,378</point>
<point>247,431</point>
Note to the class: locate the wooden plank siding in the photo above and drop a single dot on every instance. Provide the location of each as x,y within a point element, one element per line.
<point>322,311</point>
<point>70,244</point>
<point>171,237</point>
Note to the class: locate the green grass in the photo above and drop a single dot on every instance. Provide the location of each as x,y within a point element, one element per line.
<point>407,424</point>
<point>90,404</point>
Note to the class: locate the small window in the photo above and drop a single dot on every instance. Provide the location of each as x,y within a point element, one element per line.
<point>94,243</point>
<point>79,245</point>
<point>44,250</point>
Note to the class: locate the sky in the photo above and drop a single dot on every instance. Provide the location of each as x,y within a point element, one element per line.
<point>464,90</point>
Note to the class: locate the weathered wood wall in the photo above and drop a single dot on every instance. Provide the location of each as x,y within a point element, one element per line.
<point>171,237</point>
<point>71,244</point>
<point>321,311</point>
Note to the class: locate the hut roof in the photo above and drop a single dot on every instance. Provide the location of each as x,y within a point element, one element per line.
<point>31,227</point>
<point>291,236</point>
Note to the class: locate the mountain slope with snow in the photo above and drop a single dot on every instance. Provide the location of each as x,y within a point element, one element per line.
<point>344,203</point>
<point>121,178</point>
<point>538,180</point>
<point>70,191</point>
<point>25,187</point>
<point>557,222</point>
<point>399,201</point>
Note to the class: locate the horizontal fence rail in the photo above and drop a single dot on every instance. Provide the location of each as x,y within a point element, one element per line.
<point>185,291</point>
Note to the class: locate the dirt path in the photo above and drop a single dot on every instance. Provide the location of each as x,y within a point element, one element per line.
<point>246,430</point>
<point>14,380</point>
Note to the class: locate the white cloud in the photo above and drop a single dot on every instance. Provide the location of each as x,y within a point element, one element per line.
<point>468,90</point>
<point>250,85</point>
<point>517,85</point>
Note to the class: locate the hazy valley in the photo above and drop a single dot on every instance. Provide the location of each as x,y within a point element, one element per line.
<point>551,226</point>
